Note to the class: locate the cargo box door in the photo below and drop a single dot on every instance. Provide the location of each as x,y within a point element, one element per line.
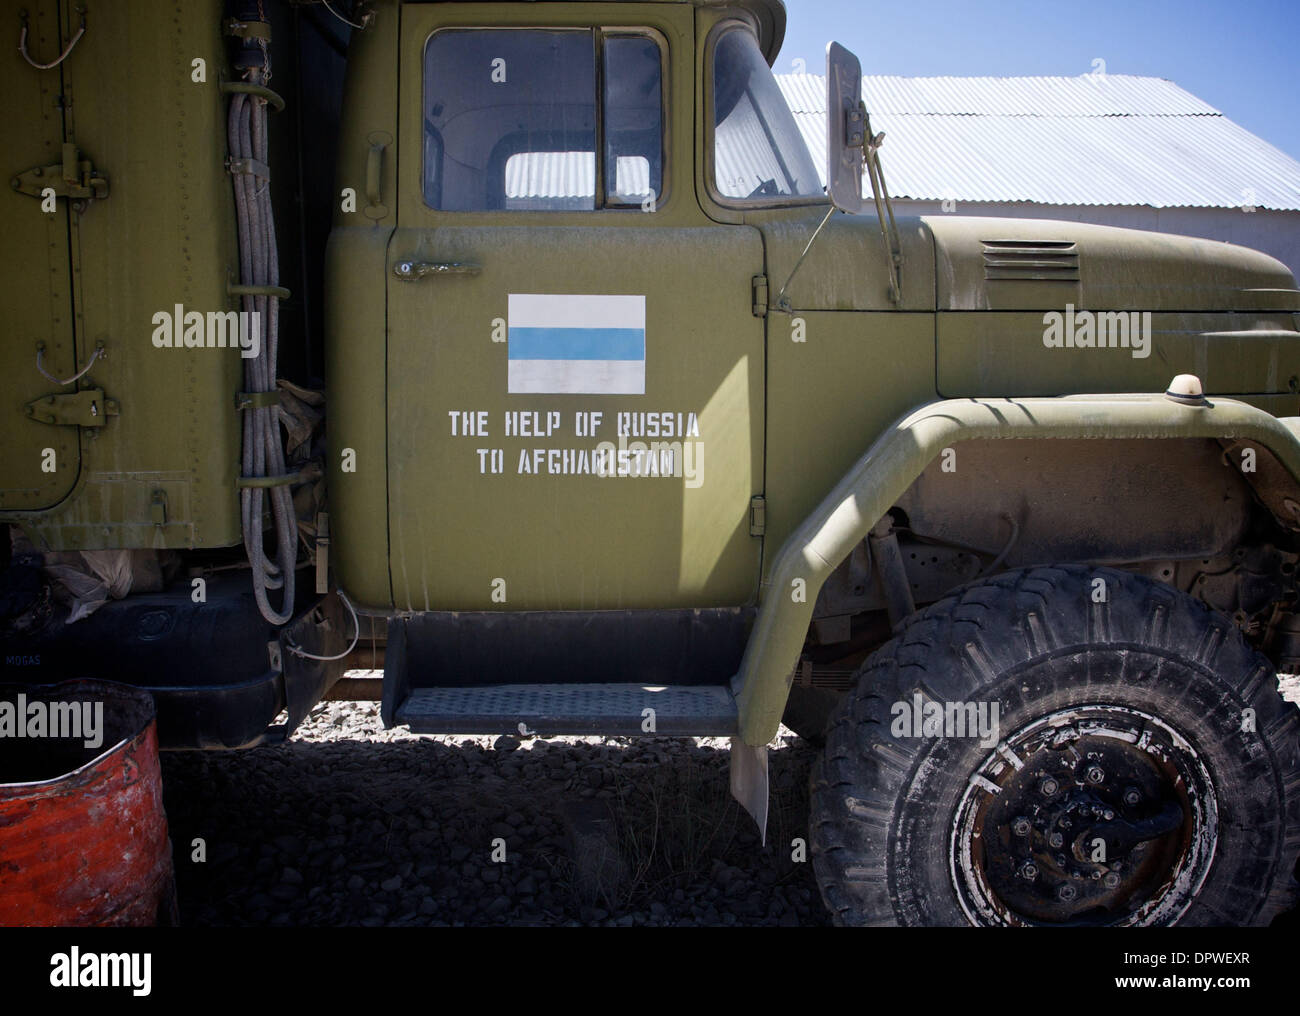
<point>39,461</point>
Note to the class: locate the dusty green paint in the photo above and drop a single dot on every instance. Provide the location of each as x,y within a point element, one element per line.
<point>34,267</point>
<point>355,322</point>
<point>828,397</point>
<point>847,270</point>
<point>992,353</point>
<point>1126,269</point>
<point>880,476</point>
<point>1274,405</point>
<point>354,353</point>
<point>1217,310</point>
<point>674,544</point>
<point>574,542</point>
<point>170,207</point>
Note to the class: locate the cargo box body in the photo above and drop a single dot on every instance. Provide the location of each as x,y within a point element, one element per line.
<point>153,461</point>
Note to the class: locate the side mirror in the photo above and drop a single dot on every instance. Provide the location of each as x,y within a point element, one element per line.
<point>845,128</point>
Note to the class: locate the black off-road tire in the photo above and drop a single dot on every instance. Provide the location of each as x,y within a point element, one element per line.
<point>887,809</point>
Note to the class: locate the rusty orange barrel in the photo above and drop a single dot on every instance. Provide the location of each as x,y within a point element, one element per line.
<point>83,837</point>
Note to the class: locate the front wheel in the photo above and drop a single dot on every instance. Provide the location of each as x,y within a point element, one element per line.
<point>1061,746</point>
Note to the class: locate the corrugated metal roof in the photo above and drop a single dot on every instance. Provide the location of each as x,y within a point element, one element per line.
<point>743,156</point>
<point>1092,140</point>
<point>551,175</point>
<point>1087,95</point>
<point>572,175</point>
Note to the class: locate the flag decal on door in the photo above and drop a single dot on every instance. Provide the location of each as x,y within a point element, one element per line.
<point>576,345</point>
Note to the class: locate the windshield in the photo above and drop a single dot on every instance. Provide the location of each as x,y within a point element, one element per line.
<point>758,151</point>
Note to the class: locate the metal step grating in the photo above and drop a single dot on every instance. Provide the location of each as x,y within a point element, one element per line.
<point>694,710</point>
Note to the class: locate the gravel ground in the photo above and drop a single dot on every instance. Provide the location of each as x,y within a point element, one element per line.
<point>349,823</point>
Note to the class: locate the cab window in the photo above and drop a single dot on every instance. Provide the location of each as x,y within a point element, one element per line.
<point>758,153</point>
<point>534,120</point>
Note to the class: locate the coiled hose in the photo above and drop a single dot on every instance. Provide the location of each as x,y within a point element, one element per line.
<point>263,452</point>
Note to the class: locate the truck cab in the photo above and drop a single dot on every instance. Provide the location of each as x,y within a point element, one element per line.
<point>608,401</point>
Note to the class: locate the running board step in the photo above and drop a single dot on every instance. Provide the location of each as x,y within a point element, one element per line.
<point>624,709</point>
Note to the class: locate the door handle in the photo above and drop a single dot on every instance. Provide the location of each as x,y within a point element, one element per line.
<point>374,173</point>
<point>413,271</point>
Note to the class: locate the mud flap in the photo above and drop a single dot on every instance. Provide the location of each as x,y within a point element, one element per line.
<point>325,630</point>
<point>749,781</point>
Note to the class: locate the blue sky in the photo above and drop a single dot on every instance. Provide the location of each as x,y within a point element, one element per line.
<point>1241,57</point>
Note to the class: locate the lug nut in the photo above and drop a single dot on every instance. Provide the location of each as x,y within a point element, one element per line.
<point>1021,826</point>
<point>1056,840</point>
<point>1096,774</point>
<point>1049,786</point>
<point>1111,880</point>
<point>1029,870</point>
<point>1132,796</point>
<point>1067,892</point>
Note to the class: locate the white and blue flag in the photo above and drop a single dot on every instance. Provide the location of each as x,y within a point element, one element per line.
<point>576,345</point>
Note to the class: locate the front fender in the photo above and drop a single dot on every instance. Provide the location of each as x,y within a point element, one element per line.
<point>880,477</point>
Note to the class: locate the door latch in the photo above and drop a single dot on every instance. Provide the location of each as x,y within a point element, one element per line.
<point>75,178</point>
<point>74,409</point>
<point>412,271</point>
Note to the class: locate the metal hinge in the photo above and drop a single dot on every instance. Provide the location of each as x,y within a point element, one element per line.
<point>158,508</point>
<point>247,29</point>
<point>760,295</point>
<point>74,409</point>
<point>757,515</point>
<point>75,178</point>
<point>322,553</point>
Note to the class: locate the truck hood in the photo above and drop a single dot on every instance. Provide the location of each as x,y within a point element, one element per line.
<point>961,263</point>
<point>1035,264</point>
<point>848,267</point>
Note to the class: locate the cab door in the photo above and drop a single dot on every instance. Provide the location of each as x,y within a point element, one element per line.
<point>574,369</point>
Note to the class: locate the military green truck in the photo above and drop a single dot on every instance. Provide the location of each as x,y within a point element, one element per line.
<point>526,340</point>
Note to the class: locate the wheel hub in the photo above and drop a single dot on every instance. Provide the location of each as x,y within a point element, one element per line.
<point>1093,815</point>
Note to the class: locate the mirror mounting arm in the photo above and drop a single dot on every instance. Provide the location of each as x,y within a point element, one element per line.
<point>888,234</point>
<point>782,301</point>
<point>851,145</point>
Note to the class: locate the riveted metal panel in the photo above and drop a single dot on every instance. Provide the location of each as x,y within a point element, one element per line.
<point>163,236</point>
<point>35,272</point>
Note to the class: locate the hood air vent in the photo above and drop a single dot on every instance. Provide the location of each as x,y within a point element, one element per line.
<point>1031,260</point>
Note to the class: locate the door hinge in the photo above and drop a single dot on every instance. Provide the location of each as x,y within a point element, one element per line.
<point>247,29</point>
<point>322,553</point>
<point>158,508</point>
<point>760,296</point>
<point>74,409</point>
<point>757,515</point>
<point>74,178</point>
